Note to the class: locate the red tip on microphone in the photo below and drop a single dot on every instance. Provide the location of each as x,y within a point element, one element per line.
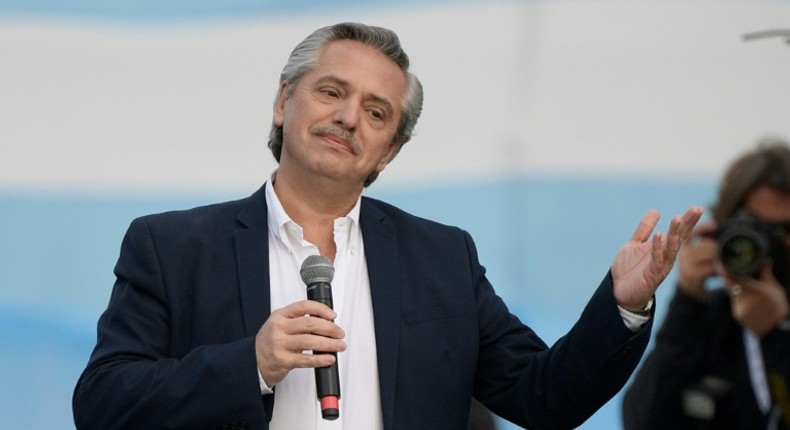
<point>330,408</point>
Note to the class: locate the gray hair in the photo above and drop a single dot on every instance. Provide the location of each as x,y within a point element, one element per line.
<point>305,56</point>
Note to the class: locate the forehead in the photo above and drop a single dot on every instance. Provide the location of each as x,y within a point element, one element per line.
<point>364,68</point>
<point>769,203</point>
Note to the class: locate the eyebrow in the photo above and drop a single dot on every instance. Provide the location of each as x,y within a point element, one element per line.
<point>344,83</point>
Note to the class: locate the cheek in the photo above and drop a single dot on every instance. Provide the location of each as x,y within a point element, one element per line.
<point>292,119</point>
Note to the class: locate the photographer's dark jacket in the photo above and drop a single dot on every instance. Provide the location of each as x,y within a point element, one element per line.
<point>697,376</point>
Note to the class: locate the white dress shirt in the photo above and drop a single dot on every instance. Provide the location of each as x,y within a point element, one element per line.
<point>296,405</point>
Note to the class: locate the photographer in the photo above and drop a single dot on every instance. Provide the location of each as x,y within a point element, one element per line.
<point>722,356</point>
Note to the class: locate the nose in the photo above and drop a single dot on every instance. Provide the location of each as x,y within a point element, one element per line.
<point>346,115</point>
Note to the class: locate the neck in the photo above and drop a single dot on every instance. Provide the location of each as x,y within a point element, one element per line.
<point>314,205</point>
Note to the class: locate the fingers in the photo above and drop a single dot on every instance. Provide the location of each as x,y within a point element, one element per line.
<point>673,234</point>
<point>689,221</point>
<point>659,247</point>
<point>308,307</point>
<point>308,322</point>
<point>646,226</point>
<point>641,265</point>
<point>681,227</point>
<point>758,304</point>
<point>698,261</point>
<point>290,335</point>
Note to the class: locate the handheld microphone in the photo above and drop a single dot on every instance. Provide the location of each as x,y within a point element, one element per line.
<point>317,273</point>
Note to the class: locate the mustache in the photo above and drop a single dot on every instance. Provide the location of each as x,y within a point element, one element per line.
<point>330,130</point>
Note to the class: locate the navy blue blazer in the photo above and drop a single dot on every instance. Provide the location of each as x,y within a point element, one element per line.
<point>175,346</point>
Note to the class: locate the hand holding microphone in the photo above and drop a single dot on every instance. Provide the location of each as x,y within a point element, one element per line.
<point>289,331</point>
<point>317,273</point>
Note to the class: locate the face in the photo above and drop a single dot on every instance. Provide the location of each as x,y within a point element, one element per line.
<point>772,205</point>
<point>340,119</point>
<point>759,305</point>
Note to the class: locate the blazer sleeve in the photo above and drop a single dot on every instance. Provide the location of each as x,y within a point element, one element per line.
<point>557,387</point>
<point>135,378</point>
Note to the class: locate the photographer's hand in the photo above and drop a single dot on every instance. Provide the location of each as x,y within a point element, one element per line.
<point>698,261</point>
<point>758,304</point>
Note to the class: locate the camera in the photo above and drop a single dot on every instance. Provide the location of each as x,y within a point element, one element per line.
<point>747,242</point>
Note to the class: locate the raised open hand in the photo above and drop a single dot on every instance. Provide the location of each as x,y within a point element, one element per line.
<point>642,264</point>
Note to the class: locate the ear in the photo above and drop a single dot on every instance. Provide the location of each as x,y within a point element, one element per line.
<point>279,105</point>
<point>392,151</point>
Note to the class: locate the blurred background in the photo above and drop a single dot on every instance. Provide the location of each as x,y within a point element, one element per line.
<point>549,128</point>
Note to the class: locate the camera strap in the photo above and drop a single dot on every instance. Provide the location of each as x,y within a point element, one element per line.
<point>754,359</point>
<point>757,375</point>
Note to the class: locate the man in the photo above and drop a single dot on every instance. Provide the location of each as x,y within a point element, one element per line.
<point>722,357</point>
<point>208,298</point>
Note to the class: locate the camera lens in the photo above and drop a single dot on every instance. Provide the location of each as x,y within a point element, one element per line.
<point>745,243</point>
<point>741,256</point>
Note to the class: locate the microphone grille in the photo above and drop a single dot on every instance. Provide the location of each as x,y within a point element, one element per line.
<point>317,268</point>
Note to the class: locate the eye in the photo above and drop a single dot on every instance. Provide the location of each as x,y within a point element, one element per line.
<point>377,113</point>
<point>329,92</point>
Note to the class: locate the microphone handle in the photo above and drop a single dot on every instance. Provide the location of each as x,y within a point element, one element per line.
<point>327,379</point>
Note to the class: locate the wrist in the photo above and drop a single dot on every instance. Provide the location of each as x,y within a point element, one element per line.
<point>644,311</point>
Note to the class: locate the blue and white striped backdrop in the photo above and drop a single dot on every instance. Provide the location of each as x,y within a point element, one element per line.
<point>549,128</point>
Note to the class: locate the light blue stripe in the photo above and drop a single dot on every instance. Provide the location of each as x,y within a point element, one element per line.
<point>546,244</point>
<point>170,10</point>
<point>179,10</point>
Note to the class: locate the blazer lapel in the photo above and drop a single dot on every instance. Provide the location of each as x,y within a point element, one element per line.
<point>252,259</point>
<point>379,236</point>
